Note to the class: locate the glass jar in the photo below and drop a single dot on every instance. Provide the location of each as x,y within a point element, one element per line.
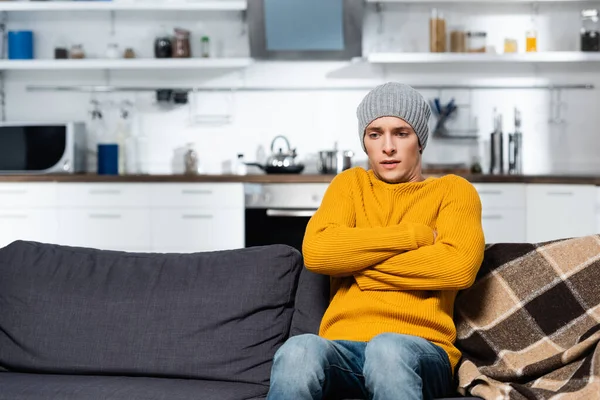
<point>531,41</point>
<point>590,30</point>
<point>205,46</point>
<point>437,32</point>
<point>163,45</point>
<point>476,42</point>
<point>458,41</point>
<point>112,51</point>
<point>77,51</point>
<point>181,47</point>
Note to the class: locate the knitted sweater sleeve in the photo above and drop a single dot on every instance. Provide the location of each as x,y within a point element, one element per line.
<point>333,245</point>
<point>450,264</point>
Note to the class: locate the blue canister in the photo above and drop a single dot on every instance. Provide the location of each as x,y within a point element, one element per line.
<point>108,159</point>
<point>20,45</point>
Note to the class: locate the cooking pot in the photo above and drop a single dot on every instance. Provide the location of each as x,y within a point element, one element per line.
<point>282,162</point>
<point>334,161</point>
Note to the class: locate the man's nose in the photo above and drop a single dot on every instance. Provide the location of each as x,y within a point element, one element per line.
<point>388,147</point>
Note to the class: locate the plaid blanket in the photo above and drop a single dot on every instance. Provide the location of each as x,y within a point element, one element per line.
<point>529,327</point>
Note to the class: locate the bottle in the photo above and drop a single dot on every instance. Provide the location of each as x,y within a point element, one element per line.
<point>496,148</point>
<point>191,160</point>
<point>205,51</point>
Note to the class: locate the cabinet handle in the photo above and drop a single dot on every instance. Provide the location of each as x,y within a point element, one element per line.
<point>494,216</point>
<point>196,191</point>
<point>196,216</point>
<point>14,216</point>
<point>105,216</point>
<point>13,191</point>
<point>560,193</point>
<point>105,191</point>
<point>493,192</point>
<point>290,213</point>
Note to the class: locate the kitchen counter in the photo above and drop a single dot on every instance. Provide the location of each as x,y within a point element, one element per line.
<point>285,178</point>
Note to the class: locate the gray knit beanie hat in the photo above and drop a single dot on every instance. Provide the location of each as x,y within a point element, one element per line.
<point>394,99</point>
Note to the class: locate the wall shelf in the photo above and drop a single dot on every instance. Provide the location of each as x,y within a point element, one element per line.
<point>486,58</point>
<point>125,64</point>
<point>199,5</point>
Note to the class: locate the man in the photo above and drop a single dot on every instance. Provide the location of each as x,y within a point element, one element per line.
<point>398,248</point>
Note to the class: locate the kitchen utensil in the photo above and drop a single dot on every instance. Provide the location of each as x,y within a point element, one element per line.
<point>515,143</point>
<point>334,161</point>
<point>282,162</point>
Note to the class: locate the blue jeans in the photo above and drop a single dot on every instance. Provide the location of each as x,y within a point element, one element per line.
<point>390,366</point>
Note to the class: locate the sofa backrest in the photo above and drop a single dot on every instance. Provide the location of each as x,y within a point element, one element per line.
<point>216,315</point>
<point>312,299</point>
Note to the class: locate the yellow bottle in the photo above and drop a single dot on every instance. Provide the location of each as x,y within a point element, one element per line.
<point>531,41</point>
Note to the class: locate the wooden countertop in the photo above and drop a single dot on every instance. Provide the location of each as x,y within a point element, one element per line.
<point>285,178</point>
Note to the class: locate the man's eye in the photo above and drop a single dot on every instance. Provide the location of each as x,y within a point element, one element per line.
<point>402,134</point>
<point>373,135</point>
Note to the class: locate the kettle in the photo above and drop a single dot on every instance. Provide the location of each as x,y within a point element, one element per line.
<point>282,162</point>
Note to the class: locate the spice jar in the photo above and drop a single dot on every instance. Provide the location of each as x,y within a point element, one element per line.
<point>476,42</point>
<point>163,45</point>
<point>590,30</point>
<point>181,48</point>
<point>77,51</point>
<point>205,46</point>
<point>458,41</point>
<point>437,32</point>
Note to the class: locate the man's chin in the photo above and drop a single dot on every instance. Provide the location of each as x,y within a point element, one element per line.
<point>390,176</point>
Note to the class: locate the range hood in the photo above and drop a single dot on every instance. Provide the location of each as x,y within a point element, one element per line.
<point>305,29</point>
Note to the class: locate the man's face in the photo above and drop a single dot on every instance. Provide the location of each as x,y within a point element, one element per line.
<point>393,149</point>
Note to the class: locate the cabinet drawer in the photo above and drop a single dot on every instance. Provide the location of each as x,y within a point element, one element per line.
<point>193,230</point>
<point>103,195</point>
<point>197,195</point>
<point>560,211</point>
<point>504,226</point>
<point>506,196</point>
<point>28,195</point>
<point>109,228</point>
<point>28,224</point>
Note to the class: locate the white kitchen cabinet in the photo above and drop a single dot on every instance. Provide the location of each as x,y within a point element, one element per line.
<point>560,211</point>
<point>103,195</point>
<point>26,195</point>
<point>197,195</point>
<point>39,225</point>
<point>28,212</point>
<point>192,230</point>
<point>503,212</point>
<point>106,228</point>
<point>192,217</point>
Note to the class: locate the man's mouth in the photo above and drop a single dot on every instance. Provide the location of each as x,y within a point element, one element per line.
<point>389,164</point>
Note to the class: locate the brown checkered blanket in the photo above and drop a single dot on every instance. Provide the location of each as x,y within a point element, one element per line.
<point>529,327</point>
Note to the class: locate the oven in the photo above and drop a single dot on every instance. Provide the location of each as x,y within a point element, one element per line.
<point>277,213</point>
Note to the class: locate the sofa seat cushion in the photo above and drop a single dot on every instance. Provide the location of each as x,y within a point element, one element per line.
<point>17,386</point>
<point>214,316</point>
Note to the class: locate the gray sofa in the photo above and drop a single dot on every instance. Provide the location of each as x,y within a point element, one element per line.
<point>87,324</point>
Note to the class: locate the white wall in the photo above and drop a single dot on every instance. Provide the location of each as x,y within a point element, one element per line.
<point>314,120</point>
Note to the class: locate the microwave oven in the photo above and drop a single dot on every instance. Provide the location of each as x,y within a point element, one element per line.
<point>42,148</point>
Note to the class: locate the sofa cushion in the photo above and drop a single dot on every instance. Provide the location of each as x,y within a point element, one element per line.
<point>16,386</point>
<point>215,315</point>
<point>312,299</point>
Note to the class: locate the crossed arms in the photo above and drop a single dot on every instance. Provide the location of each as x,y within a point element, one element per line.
<point>398,257</point>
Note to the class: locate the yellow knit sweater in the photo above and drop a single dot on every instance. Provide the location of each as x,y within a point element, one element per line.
<point>376,241</point>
